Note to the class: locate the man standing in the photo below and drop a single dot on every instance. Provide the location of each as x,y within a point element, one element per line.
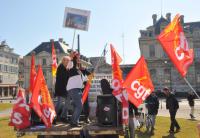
<point>74,86</point>
<point>191,98</point>
<point>152,104</point>
<point>60,88</point>
<point>172,105</point>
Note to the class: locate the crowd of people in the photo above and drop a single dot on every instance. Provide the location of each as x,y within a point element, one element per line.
<point>71,78</point>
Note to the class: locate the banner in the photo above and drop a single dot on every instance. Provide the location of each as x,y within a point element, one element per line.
<point>32,73</point>
<point>87,88</point>
<point>138,83</point>
<point>20,116</point>
<point>41,101</point>
<point>117,84</point>
<point>54,61</point>
<point>76,18</point>
<point>174,43</point>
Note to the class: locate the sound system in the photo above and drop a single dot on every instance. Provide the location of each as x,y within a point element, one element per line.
<point>107,110</point>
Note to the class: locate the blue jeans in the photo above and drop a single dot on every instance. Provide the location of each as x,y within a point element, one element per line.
<point>60,108</point>
<point>76,96</point>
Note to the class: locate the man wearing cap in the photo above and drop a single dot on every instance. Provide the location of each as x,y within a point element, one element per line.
<point>172,105</point>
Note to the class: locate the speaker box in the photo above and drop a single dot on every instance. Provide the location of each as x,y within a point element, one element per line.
<point>107,111</point>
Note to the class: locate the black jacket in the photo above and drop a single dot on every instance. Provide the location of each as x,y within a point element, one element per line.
<point>62,77</point>
<point>152,104</point>
<point>172,103</point>
<point>191,99</point>
<point>132,108</point>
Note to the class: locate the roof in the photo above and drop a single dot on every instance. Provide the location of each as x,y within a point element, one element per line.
<point>158,24</point>
<point>192,25</point>
<point>46,46</point>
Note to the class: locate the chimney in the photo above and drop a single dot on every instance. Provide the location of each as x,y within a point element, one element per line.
<point>182,19</point>
<point>154,17</point>
<point>60,40</point>
<point>168,17</point>
<point>51,40</point>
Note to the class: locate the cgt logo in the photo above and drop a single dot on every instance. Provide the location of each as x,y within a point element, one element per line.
<point>179,51</point>
<point>140,91</point>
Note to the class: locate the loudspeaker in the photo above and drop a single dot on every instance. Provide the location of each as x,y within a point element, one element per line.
<point>107,112</point>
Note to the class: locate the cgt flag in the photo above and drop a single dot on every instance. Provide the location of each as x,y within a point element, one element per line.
<point>174,43</point>
<point>87,88</point>
<point>54,62</point>
<point>117,82</point>
<point>138,83</point>
<point>41,101</point>
<point>32,73</point>
<point>20,116</point>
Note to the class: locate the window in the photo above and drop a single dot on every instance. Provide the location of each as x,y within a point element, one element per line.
<point>1,78</point>
<point>152,51</point>
<point>5,68</point>
<point>197,52</point>
<point>44,61</point>
<point>167,75</point>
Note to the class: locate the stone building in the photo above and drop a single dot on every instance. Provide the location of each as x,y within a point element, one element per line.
<point>43,57</point>
<point>161,68</point>
<point>102,71</point>
<point>8,70</point>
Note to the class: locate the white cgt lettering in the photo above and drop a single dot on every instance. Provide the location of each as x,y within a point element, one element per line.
<point>183,46</point>
<point>116,84</point>
<point>141,91</point>
<point>17,118</point>
<point>47,112</point>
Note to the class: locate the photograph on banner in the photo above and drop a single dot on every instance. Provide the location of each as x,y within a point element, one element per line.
<point>76,18</point>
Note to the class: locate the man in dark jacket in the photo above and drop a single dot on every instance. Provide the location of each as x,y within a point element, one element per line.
<point>172,105</point>
<point>60,88</point>
<point>152,104</point>
<point>191,98</point>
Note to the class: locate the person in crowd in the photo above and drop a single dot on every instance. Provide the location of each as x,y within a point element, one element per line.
<point>152,105</point>
<point>172,105</point>
<point>74,89</point>
<point>133,113</point>
<point>60,88</point>
<point>190,99</point>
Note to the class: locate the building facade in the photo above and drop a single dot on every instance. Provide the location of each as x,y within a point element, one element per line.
<point>163,72</point>
<point>43,56</point>
<point>103,70</point>
<point>8,70</point>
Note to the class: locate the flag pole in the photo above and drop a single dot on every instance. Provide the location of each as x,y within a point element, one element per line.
<point>102,54</point>
<point>73,39</point>
<point>191,87</point>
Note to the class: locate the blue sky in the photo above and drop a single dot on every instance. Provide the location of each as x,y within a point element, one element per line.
<point>24,24</point>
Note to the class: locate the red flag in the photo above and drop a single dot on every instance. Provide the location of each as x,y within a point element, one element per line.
<point>174,43</point>
<point>32,73</point>
<point>138,83</point>
<point>54,62</point>
<point>117,73</point>
<point>41,101</point>
<point>87,88</point>
<point>118,91</point>
<point>20,116</point>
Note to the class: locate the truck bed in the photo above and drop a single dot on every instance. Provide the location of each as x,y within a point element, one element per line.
<point>62,129</point>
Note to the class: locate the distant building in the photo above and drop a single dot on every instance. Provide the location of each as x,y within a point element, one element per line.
<point>21,72</point>
<point>103,70</point>
<point>43,57</point>
<point>8,70</point>
<point>161,68</point>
